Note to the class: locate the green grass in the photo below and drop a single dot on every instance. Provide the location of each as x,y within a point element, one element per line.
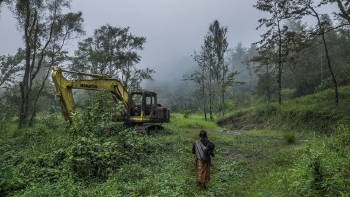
<point>255,162</point>
<point>313,112</point>
<point>240,161</point>
<point>319,102</point>
<point>194,121</point>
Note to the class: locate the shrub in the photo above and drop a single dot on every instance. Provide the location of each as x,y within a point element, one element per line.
<point>35,134</point>
<point>88,158</point>
<point>6,113</point>
<point>289,138</point>
<point>51,120</point>
<point>94,158</point>
<point>96,116</point>
<point>266,110</point>
<point>323,168</point>
<point>187,113</point>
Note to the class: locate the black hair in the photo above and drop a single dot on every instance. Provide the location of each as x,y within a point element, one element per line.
<point>203,134</point>
<point>204,137</point>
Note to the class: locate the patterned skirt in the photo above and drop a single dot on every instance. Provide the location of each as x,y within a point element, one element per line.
<point>202,171</point>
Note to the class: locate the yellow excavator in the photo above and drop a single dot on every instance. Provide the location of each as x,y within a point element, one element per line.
<point>137,111</point>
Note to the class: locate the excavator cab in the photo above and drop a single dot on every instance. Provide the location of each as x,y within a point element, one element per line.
<point>144,105</point>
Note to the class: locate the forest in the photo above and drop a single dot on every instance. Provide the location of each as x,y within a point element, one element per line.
<point>85,110</point>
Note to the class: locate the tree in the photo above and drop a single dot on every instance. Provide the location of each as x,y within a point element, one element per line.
<point>251,52</point>
<point>266,86</point>
<point>199,77</point>
<point>9,68</point>
<point>279,11</point>
<point>220,69</point>
<point>308,8</point>
<point>4,1</point>
<point>213,76</point>
<point>46,29</point>
<point>112,51</point>
<point>344,8</point>
<point>203,77</point>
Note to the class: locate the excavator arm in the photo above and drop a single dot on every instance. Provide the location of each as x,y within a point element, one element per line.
<point>100,82</point>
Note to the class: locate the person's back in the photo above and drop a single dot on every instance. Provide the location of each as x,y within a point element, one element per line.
<point>203,150</point>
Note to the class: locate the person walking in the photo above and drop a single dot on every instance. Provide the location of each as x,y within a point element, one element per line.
<point>203,149</point>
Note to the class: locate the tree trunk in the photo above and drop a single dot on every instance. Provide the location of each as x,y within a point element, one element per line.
<point>327,55</point>
<point>204,103</point>
<point>268,96</point>
<point>223,102</point>
<point>331,70</point>
<point>204,96</point>
<point>24,84</point>
<point>210,96</point>
<point>223,90</point>
<point>279,77</point>
<point>37,98</point>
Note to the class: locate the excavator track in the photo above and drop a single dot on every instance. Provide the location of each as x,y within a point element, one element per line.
<point>147,129</point>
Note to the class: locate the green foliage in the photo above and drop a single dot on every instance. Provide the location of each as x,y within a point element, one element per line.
<point>113,51</point>
<point>323,168</point>
<point>35,134</point>
<point>313,112</point>
<point>6,113</point>
<point>322,86</point>
<point>213,77</point>
<point>266,110</point>
<point>97,115</point>
<point>51,119</point>
<point>94,158</point>
<point>289,138</point>
<point>47,161</point>
<point>187,113</point>
<point>229,170</point>
<point>266,86</point>
<point>9,67</point>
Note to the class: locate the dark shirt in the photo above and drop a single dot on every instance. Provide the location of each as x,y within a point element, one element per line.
<point>209,148</point>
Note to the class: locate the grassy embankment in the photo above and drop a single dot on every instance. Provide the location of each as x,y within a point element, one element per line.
<point>313,112</point>
<point>248,163</point>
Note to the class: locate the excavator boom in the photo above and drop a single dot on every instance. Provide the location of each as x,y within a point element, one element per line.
<point>102,82</point>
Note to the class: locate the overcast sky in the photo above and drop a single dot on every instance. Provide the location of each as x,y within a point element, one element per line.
<point>173,28</point>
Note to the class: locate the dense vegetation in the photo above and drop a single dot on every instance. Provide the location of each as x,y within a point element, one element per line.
<point>48,160</point>
<point>278,110</point>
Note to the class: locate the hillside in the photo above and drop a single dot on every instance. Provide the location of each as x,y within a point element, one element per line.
<point>312,112</point>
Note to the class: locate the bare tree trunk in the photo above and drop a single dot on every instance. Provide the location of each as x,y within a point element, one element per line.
<point>223,101</point>
<point>327,55</point>
<point>204,102</point>
<point>210,96</point>
<point>279,77</point>
<point>204,97</point>
<point>223,90</point>
<point>331,70</point>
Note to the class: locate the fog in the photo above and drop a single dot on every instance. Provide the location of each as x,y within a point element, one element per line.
<point>173,28</point>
